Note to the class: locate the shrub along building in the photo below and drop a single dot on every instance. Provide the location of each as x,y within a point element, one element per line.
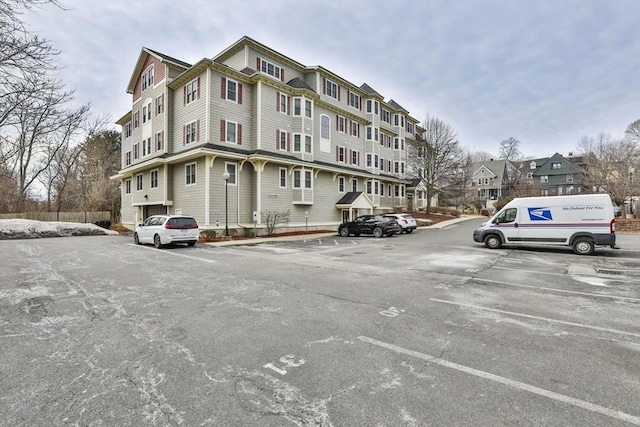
<point>291,137</point>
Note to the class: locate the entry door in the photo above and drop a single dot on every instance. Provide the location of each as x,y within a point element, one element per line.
<point>345,215</point>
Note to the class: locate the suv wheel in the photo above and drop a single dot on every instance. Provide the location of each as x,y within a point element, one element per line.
<point>377,232</point>
<point>344,232</point>
<point>157,242</point>
<point>136,240</point>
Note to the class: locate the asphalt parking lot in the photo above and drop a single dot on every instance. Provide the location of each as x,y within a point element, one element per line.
<point>423,329</point>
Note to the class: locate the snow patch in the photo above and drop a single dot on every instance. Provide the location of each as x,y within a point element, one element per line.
<point>32,229</point>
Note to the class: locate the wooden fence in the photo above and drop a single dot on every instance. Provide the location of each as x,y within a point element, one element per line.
<point>86,217</point>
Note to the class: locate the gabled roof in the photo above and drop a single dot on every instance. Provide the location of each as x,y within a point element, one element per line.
<point>142,58</point>
<point>355,199</point>
<point>568,167</point>
<point>496,167</point>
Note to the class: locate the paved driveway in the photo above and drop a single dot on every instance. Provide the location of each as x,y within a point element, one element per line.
<point>422,329</point>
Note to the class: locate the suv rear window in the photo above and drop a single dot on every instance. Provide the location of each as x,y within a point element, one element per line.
<point>182,222</point>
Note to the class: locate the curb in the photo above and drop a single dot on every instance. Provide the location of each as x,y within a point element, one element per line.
<point>260,240</point>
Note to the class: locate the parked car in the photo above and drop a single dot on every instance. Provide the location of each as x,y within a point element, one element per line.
<point>406,221</point>
<point>617,212</point>
<point>370,224</point>
<point>161,230</point>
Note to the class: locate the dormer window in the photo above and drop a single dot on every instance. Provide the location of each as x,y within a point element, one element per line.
<point>532,165</point>
<point>271,69</point>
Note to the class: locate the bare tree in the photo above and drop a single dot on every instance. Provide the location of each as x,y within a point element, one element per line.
<point>611,164</point>
<point>510,149</point>
<point>633,131</point>
<point>437,159</point>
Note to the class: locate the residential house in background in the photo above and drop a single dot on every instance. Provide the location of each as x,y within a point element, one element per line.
<point>489,181</point>
<point>290,137</point>
<point>559,176</point>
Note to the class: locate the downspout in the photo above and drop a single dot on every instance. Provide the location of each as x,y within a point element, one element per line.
<point>207,159</point>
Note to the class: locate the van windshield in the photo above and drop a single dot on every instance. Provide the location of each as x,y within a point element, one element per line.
<point>508,215</point>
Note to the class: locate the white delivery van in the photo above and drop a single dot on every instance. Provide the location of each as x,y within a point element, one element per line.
<point>580,221</point>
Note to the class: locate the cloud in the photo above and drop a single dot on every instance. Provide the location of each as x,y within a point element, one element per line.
<point>544,72</point>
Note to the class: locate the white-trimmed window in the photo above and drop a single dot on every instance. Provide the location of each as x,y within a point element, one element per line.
<point>127,186</point>
<point>127,158</point>
<point>147,78</point>
<point>283,103</point>
<point>325,127</point>
<point>302,179</point>
<point>410,128</point>
<point>270,69</point>
<point>557,165</point>
<point>369,160</point>
<point>232,168</point>
<point>160,104</point>
<point>283,177</point>
<point>190,174</point>
<point>544,179</point>
<point>375,160</point>
<point>139,182</point>
<point>386,116</point>
<point>354,100</point>
<point>369,187</point>
<point>331,89</point>
<point>127,130</point>
<point>283,140</point>
<point>192,90</point>
<point>354,184</point>
<point>341,124</point>
<point>372,106</point>
<point>308,108</point>
<point>307,144</point>
<point>297,106</point>
<point>232,132</point>
<point>154,178</point>
<point>355,129</point>
<point>191,131</point>
<point>160,141</point>
<point>355,157</point>
<point>297,142</point>
<point>136,151</point>
<point>136,119</point>
<point>149,111</point>
<point>232,90</point>
<point>569,178</point>
<point>341,184</point>
<point>341,154</point>
<point>146,147</point>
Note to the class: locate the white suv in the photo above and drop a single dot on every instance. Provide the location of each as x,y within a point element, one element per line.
<point>406,221</point>
<point>167,229</point>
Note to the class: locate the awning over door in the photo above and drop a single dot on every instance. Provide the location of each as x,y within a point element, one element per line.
<point>355,200</point>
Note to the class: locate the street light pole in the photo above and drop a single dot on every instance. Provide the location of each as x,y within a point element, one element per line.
<point>226,176</point>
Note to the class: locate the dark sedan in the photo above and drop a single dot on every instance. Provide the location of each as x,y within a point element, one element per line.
<point>370,224</point>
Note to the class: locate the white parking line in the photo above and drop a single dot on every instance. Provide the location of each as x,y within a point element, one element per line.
<point>517,285</point>
<point>529,316</point>
<point>506,381</point>
<point>195,258</point>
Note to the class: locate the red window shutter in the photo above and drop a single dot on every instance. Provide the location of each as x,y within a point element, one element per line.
<point>223,88</point>
<point>155,110</point>
<point>337,153</point>
<point>358,130</point>
<point>184,135</point>
<point>350,156</point>
<point>239,93</point>
<point>360,103</point>
<point>184,96</point>
<point>338,93</point>
<point>198,90</point>
<point>358,158</point>
<point>198,130</point>
<point>337,124</point>
<point>288,141</point>
<point>348,97</point>
<point>282,74</point>
<point>155,143</point>
<point>257,64</point>
<point>288,105</point>
<point>239,134</point>
<point>223,128</point>
<point>278,139</point>
<point>324,86</point>
<point>277,101</point>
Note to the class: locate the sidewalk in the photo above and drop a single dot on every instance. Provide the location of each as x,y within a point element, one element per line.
<point>313,236</point>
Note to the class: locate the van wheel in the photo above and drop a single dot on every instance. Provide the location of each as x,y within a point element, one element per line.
<point>583,246</point>
<point>492,241</point>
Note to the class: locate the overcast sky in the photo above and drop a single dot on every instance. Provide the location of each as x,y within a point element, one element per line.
<point>544,72</point>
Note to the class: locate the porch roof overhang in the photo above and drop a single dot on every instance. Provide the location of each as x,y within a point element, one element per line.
<point>355,199</point>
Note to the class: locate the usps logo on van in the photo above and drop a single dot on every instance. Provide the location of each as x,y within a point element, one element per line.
<point>540,214</point>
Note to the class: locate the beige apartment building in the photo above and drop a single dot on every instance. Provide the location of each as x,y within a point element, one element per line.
<point>291,138</point>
